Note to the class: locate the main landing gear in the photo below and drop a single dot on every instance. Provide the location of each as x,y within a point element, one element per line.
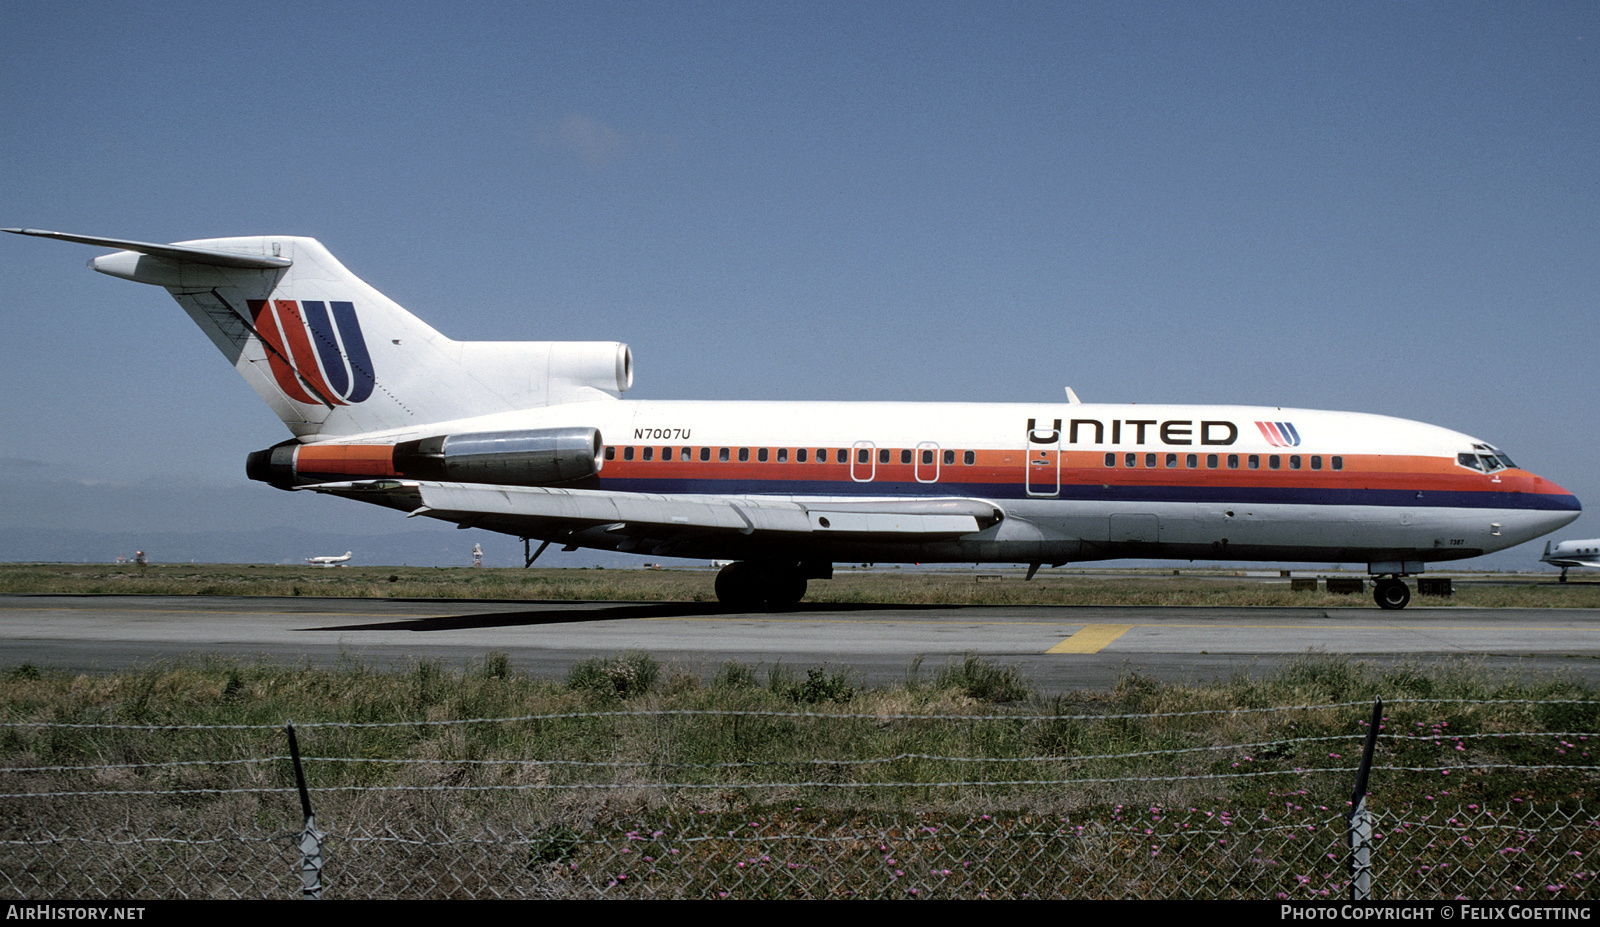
<point>767,583</point>
<point>1391,592</point>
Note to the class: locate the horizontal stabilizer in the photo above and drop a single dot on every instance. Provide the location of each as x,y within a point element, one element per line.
<point>179,253</point>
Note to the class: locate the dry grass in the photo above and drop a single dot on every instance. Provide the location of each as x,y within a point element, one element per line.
<point>731,787</point>
<point>849,586</point>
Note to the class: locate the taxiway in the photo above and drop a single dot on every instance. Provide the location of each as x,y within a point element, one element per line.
<point>1057,648</point>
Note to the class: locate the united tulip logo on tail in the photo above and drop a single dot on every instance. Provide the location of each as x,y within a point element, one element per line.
<point>315,346</point>
<point>1279,434</point>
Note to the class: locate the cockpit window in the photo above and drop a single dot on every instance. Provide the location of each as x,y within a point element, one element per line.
<point>1485,458</point>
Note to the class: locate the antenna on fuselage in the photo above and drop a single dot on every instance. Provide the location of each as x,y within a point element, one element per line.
<point>1073,397</point>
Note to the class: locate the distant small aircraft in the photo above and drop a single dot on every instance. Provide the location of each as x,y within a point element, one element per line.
<point>328,561</point>
<point>1568,554</point>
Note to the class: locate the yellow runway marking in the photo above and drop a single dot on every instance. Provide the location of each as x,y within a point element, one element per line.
<point>1092,639</point>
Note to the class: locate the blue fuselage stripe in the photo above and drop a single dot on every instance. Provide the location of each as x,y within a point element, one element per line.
<point>1095,492</point>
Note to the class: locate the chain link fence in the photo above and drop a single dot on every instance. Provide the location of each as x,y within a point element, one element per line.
<point>1290,854</point>
<point>1215,826</point>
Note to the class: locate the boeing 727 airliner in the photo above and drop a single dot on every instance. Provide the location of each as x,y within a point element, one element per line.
<point>531,439</point>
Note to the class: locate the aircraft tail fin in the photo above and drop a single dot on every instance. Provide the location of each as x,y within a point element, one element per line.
<point>332,356</point>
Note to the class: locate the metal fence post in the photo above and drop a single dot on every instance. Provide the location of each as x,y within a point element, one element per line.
<point>1361,818</point>
<point>310,837</point>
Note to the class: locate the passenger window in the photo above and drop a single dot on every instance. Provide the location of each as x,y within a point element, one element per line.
<point>927,457</point>
<point>611,452</point>
<point>1316,461</point>
<point>744,455</point>
<point>1274,462</point>
<point>1337,462</point>
<point>1192,460</point>
<point>1255,461</point>
<point>1294,461</point>
<point>649,453</point>
<point>722,455</point>
<point>799,455</point>
<point>627,452</point>
<point>761,455</point>
<point>1150,461</point>
<point>783,455</point>
<point>1211,461</point>
<point>905,456</point>
<point>863,456</point>
<point>1172,461</point>
<point>1233,461</point>
<point>949,458</point>
<point>1131,461</point>
<point>969,457</point>
<point>883,456</point>
<point>1111,460</point>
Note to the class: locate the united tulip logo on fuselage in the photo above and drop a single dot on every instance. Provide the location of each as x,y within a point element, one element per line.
<point>1279,434</point>
<point>315,350</point>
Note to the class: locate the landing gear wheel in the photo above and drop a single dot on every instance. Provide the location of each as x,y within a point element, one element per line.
<point>738,585</point>
<point>1391,593</point>
<point>748,584</point>
<point>785,587</point>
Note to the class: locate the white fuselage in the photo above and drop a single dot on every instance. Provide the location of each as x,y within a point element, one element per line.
<point>1074,481</point>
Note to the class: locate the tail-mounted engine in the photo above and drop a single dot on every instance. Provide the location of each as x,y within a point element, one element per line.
<point>533,457</point>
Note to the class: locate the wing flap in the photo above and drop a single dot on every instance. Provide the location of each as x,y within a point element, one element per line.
<point>596,507</point>
<point>535,511</point>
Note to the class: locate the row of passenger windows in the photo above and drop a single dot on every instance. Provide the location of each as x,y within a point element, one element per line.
<point>924,456</point>
<point>1216,461</point>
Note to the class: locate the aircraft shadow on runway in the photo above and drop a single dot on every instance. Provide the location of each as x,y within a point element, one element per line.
<point>577,613</point>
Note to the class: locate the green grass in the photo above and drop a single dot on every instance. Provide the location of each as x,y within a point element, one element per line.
<point>633,778</point>
<point>632,706</point>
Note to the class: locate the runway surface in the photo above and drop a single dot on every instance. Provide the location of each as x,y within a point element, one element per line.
<point>1058,648</point>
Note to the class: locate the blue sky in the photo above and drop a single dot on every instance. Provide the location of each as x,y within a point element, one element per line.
<point>1378,206</point>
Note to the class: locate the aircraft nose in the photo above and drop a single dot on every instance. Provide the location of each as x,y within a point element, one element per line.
<point>1557,507</point>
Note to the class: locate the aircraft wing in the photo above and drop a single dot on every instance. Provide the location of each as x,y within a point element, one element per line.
<point>1571,561</point>
<point>1555,557</point>
<point>659,523</point>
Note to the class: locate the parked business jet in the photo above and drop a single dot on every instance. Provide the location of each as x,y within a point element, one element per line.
<point>1569,554</point>
<point>531,440</point>
<point>329,561</point>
